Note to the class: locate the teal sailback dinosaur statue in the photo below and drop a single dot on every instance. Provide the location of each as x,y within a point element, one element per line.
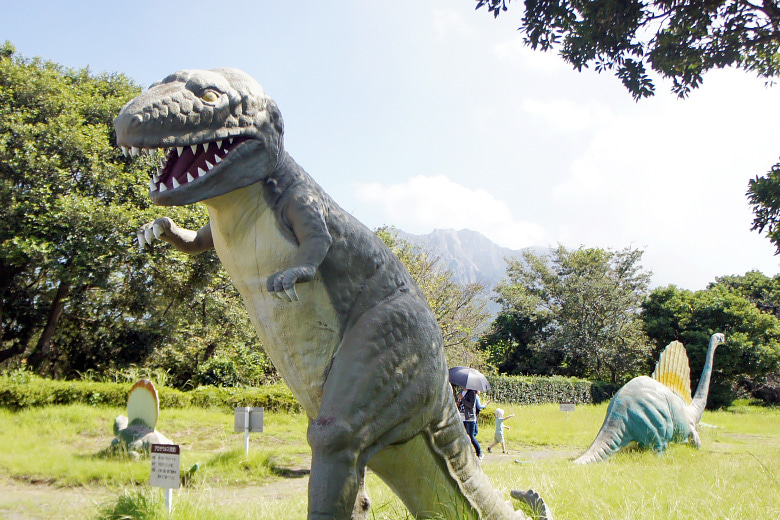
<point>654,411</point>
<point>338,314</point>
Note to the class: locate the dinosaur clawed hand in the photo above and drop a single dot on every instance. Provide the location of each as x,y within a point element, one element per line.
<point>282,283</point>
<point>151,230</point>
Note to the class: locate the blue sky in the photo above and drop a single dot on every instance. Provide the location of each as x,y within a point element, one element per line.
<point>427,115</point>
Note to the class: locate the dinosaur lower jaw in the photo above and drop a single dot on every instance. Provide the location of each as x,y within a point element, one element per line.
<point>185,164</point>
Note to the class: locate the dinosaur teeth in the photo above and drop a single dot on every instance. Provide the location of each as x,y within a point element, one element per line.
<point>194,148</point>
<point>125,150</point>
<point>175,183</point>
<point>152,185</point>
<point>180,149</point>
<point>134,151</point>
<point>163,187</point>
<point>201,173</point>
<point>209,166</point>
<point>190,178</point>
<point>219,144</point>
<point>217,159</point>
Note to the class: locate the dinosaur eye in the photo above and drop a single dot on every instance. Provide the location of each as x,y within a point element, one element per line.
<point>209,96</point>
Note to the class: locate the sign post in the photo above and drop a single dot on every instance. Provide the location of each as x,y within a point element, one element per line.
<point>165,470</point>
<point>248,419</point>
<point>567,407</point>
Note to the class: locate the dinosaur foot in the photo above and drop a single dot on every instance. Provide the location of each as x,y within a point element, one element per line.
<point>535,502</point>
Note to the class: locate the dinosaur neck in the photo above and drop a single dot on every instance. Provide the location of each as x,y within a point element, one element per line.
<point>700,398</point>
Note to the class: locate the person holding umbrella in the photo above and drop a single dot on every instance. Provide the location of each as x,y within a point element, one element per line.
<point>472,382</point>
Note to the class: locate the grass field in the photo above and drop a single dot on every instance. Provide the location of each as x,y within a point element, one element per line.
<point>54,464</point>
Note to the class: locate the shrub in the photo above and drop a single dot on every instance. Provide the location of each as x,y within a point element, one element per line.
<point>537,390</point>
<point>22,389</point>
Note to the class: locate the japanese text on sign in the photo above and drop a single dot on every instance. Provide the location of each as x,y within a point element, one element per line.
<point>165,466</point>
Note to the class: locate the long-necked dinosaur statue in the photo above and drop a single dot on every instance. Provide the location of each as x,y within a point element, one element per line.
<point>339,316</point>
<point>654,411</point>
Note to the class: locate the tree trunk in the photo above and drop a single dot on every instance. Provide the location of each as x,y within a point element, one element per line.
<point>42,351</point>
<point>10,352</point>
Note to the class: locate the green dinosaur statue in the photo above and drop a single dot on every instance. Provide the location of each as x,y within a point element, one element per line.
<point>136,433</point>
<point>339,316</point>
<point>654,411</point>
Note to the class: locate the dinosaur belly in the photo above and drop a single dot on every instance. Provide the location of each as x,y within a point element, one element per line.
<point>299,337</point>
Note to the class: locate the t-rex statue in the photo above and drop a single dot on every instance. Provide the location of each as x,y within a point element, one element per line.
<point>654,411</point>
<point>337,313</point>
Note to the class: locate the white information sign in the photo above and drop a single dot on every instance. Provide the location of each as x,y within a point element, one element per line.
<point>567,407</point>
<point>165,466</point>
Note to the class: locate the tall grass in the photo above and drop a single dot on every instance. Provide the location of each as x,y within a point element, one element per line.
<point>736,474</point>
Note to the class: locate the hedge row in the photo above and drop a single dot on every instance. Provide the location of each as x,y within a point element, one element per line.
<point>537,390</point>
<point>20,390</point>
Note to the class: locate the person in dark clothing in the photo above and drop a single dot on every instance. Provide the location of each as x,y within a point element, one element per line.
<point>468,401</point>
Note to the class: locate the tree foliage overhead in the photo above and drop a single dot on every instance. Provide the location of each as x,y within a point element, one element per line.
<point>680,39</point>
<point>75,292</point>
<point>579,309</point>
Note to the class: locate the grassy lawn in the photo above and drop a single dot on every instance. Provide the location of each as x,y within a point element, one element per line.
<point>54,460</point>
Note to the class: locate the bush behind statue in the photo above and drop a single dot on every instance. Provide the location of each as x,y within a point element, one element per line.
<point>21,389</point>
<point>556,389</point>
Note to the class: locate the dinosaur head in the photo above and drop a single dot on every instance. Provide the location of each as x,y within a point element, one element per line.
<point>216,129</point>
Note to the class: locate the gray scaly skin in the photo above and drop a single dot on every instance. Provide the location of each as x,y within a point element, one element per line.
<point>649,413</point>
<point>339,316</point>
<point>135,438</point>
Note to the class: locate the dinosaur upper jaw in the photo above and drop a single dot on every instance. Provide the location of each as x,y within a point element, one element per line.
<point>197,172</point>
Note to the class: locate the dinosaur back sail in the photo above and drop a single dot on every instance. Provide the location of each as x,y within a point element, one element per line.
<point>673,370</point>
<point>143,405</point>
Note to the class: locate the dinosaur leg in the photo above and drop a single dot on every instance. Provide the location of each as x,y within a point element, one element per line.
<point>379,391</point>
<point>362,503</point>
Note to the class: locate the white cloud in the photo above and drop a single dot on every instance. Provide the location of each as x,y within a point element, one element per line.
<point>448,24</point>
<point>423,203</point>
<point>514,51</point>
<point>565,114</point>
<point>670,177</point>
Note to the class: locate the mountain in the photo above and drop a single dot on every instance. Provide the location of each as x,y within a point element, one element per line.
<point>469,255</point>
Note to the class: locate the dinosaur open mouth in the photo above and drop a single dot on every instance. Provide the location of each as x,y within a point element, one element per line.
<point>184,164</point>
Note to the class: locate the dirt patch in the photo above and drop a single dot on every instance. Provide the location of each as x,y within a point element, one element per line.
<point>20,501</point>
<point>44,501</point>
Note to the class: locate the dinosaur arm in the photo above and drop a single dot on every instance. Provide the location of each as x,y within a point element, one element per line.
<point>185,240</point>
<point>305,216</point>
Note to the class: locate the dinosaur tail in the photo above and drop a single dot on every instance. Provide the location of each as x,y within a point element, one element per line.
<point>607,441</point>
<point>449,441</point>
<point>444,465</point>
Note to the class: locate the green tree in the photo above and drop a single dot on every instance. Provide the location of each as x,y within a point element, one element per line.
<point>75,292</point>
<point>752,348</point>
<point>764,197</point>
<point>510,345</point>
<point>680,40</point>
<point>763,291</point>
<point>460,309</point>
<point>583,308</point>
